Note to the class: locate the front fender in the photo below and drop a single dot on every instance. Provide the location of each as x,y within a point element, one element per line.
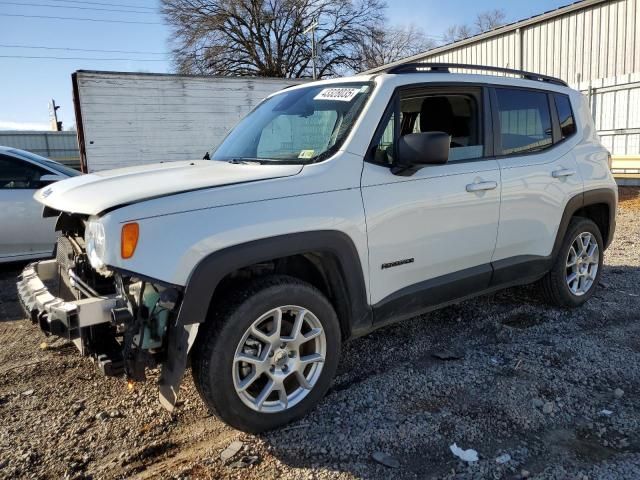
<point>213,268</point>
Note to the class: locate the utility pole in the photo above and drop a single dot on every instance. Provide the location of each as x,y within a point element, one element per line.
<point>312,29</point>
<point>56,126</point>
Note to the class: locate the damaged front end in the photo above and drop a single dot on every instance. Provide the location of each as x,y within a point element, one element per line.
<point>123,321</point>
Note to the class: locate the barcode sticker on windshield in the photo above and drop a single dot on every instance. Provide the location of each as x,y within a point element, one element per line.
<point>339,94</point>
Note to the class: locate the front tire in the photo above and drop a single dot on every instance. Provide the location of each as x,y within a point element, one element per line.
<point>268,355</point>
<point>577,268</point>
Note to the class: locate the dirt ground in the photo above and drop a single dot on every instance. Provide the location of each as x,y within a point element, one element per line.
<point>537,392</point>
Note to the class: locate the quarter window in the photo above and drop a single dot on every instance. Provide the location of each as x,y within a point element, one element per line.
<point>525,121</point>
<point>565,116</point>
<point>383,151</point>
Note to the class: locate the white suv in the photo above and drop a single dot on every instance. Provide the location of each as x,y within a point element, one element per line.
<point>332,209</point>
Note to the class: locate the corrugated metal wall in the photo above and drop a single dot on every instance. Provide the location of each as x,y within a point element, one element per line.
<point>616,111</point>
<point>500,51</point>
<point>601,41</point>
<point>598,41</point>
<point>594,47</point>
<point>60,146</point>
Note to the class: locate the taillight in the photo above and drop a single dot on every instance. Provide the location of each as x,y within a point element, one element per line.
<point>610,161</point>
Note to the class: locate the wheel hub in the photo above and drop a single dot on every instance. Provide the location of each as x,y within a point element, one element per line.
<point>280,358</point>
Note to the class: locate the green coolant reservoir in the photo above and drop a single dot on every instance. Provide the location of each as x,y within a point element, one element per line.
<point>156,325</point>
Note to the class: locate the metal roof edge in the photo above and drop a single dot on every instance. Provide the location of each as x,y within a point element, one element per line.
<point>35,132</point>
<point>579,5</point>
<point>175,75</point>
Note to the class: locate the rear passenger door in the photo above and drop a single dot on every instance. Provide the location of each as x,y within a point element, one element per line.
<point>431,235</point>
<point>535,134</point>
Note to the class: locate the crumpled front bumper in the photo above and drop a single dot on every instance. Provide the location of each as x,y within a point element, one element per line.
<point>55,315</point>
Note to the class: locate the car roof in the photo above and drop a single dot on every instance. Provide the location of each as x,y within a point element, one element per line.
<point>472,78</point>
<point>9,150</point>
<point>422,77</point>
<point>26,156</point>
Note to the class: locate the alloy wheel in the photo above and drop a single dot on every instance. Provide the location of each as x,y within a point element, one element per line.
<point>279,359</point>
<point>582,263</point>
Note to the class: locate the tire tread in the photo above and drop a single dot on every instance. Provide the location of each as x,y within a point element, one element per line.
<point>206,346</point>
<point>552,285</point>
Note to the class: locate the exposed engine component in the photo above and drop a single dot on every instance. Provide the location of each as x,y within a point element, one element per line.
<point>132,333</point>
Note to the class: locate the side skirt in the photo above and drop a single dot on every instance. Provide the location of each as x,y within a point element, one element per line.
<point>457,287</point>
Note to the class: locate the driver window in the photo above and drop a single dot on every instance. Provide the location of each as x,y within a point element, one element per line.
<point>17,175</point>
<point>454,114</point>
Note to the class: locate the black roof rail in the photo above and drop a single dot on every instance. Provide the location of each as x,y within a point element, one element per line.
<point>444,68</point>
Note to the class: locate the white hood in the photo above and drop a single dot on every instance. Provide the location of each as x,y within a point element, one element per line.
<point>93,193</point>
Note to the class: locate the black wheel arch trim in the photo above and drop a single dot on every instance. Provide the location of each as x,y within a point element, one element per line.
<point>605,196</point>
<point>349,278</point>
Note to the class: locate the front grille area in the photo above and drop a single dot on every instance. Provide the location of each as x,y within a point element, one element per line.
<point>66,260</point>
<point>65,253</point>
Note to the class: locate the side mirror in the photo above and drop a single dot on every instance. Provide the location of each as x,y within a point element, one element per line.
<point>49,179</point>
<point>418,149</point>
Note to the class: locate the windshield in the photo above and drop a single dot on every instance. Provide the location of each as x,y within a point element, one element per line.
<point>45,162</point>
<point>299,126</point>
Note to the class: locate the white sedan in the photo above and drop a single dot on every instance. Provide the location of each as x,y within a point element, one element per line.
<point>24,234</point>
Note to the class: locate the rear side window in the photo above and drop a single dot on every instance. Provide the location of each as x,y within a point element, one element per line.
<point>565,116</point>
<point>525,121</point>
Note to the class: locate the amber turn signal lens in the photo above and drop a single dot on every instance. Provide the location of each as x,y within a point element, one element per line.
<point>129,241</point>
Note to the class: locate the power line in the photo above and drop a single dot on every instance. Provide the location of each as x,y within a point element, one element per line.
<point>105,4</point>
<point>75,7</point>
<point>85,58</point>
<point>82,49</point>
<point>77,18</point>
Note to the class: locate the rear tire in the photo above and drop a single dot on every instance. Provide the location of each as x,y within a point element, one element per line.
<point>257,376</point>
<point>577,267</point>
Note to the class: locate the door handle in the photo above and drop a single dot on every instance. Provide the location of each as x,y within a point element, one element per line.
<point>563,172</point>
<point>481,186</point>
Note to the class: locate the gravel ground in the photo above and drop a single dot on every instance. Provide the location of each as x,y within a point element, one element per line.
<point>537,392</point>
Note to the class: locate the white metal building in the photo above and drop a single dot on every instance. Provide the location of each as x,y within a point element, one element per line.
<point>60,146</point>
<point>126,118</point>
<point>594,45</point>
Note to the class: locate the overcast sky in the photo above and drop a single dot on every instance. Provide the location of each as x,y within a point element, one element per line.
<point>27,84</point>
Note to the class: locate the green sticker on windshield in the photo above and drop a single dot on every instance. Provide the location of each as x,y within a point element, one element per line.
<point>306,154</point>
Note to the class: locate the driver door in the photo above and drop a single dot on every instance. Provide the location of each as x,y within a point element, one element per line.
<point>431,235</point>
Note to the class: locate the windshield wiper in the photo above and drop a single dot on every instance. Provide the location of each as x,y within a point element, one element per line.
<point>245,161</point>
<point>262,161</point>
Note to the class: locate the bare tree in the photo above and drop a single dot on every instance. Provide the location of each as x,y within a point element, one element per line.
<point>455,33</point>
<point>266,37</point>
<point>483,22</point>
<point>489,20</point>
<point>450,35</point>
<point>384,46</point>
<point>465,31</point>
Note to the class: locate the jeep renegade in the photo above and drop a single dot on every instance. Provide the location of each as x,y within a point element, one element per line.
<point>334,208</point>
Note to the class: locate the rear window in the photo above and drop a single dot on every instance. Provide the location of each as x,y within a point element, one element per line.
<point>565,116</point>
<point>525,121</point>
